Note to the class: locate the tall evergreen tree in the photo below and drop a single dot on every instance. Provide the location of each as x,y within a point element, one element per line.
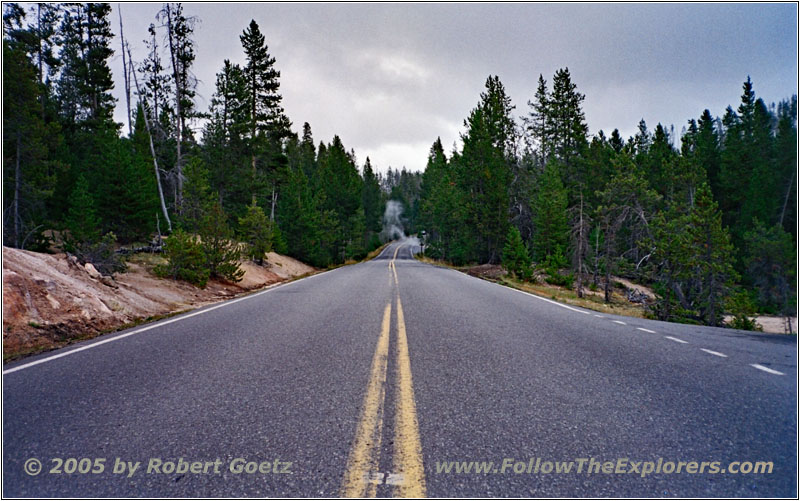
<point>550,218</point>
<point>484,170</point>
<point>371,199</point>
<point>28,144</point>
<point>268,123</point>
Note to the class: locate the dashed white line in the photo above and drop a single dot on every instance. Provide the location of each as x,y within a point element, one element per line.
<point>714,353</point>
<point>767,369</point>
<point>600,316</point>
<point>676,340</point>
<point>646,330</point>
<point>619,322</point>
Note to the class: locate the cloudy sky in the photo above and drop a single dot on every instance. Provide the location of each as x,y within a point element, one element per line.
<point>391,78</point>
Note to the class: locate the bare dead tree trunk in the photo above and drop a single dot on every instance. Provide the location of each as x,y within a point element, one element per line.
<point>41,50</point>
<point>126,74</point>
<point>596,255</point>
<point>607,287</point>
<point>178,111</point>
<point>786,198</point>
<point>152,148</point>
<point>580,250</point>
<point>17,174</point>
<point>274,201</point>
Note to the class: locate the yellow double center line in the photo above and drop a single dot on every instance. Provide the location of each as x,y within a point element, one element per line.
<point>393,267</point>
<point>362,475</point>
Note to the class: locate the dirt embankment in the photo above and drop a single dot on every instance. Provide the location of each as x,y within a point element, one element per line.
<point>50,301</point>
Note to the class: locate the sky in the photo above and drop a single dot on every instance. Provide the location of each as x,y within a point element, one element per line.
<point>390,78</point>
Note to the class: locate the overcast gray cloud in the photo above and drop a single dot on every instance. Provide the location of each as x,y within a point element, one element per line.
<point>390,78</point>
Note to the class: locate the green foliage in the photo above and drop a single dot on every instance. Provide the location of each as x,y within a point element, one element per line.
<point>515,256</point>
<point>741,306</point>
<point>694,257</point>
<point>257,233</point>
<point>771,255</point>
<point>550,219</point>
<point>197,194</point>
<point>483,173</point>
<point>645,210</point>
<point>81,222</point>
<point>222,253</point>
<point>553,264</point>
<point>185,259</point>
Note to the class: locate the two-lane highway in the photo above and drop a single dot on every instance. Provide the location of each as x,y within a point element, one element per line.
<point>371,379</point>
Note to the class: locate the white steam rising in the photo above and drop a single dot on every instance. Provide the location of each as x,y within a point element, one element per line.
<point>392,226</point>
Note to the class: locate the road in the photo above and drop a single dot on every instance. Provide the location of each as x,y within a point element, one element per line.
<point>369,379</point>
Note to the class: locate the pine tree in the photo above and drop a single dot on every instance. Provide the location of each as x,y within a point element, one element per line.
<point>185,259</point>
<point>536,123</point>
<point>565,124</point>
<point>82,222</point>
<point>28,141</point>
<point>221,251</point>
<point>371,199</point>
<point>772,267</point>
<point>224,140</point>
<point>268,123</point>
<point>549,207</point>
<point>515,256</point>
<point>298,218</point>
<point>786,158</point>
<point>484,172</point>
<point>257,232</point>
<point>695,262</point>
<point>197,194</point>
<point>625,208</point>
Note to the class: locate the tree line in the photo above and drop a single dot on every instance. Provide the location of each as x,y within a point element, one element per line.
<point>711,223</point>
<point>236,169</point>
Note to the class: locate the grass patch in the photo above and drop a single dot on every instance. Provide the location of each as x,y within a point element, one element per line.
<point>375,253</point>
<point>619,305</point>
<point>147,259</point>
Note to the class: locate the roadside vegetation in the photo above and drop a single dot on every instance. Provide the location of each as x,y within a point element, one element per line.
<point>705,217</point>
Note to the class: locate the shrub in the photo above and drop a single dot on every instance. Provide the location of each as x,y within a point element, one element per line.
<point>216,239</point>
<point>257,233</point>
<point>515,256</point>
<point>553,264</point>
<point>185,260</point>
<point>741,305</point>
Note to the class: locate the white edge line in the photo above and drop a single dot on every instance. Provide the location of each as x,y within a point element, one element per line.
<point>158,324</point>
<point>646,330</point>
<point>619,322</point>
<point>767,369</point>
<point>676,340</point>
<point>520,291</point>
<point>532,295</point>
<point>714,353</point>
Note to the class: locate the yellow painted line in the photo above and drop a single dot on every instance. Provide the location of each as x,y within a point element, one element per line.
<point>394,266</point>
<point>362,465</point>
<point>407,446</point>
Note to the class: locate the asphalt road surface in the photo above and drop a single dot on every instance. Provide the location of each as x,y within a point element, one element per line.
<point>372,379</point>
